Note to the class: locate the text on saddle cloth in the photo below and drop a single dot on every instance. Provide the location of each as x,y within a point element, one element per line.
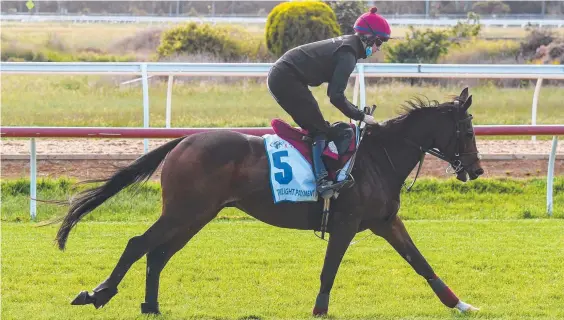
<point>290,173</point>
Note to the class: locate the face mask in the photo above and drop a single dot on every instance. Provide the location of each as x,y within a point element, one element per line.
<point>368,51</point>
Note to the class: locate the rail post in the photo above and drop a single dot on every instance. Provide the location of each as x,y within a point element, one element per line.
<point>145,103</point>
<point>32,179</point>
<point>355,91</point>
<point>362,87</point>
<point>550,175</point>
<point>535,105</point>
<point>169,100</point>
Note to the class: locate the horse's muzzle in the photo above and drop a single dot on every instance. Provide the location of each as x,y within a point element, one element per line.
<point>474,174</point>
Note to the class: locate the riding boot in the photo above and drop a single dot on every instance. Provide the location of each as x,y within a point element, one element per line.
<point>318,166</point>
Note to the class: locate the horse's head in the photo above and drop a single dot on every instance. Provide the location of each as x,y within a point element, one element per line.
<point>443,130</point>
<point>456,139</point>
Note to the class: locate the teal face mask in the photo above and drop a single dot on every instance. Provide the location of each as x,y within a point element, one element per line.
<point>368,51</point>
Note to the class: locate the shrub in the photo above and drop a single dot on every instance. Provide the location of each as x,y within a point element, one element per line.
<point>427,46</point>
<point>550,54</point>
<point>535,39</point>
<point>467,29</point>
<point>347,12</point>
<point>291,24</point>
<point>419,47</point>
<point>193,38</point>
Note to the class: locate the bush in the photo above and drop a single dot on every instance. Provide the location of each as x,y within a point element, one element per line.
<point>291,24</point>
<point>467,29</point>
<point>427,46</point>
<point>347,12</point>
<point>193,38</point>
<point>550,54</point>
<point>419,47</point>
<point>535,39</point>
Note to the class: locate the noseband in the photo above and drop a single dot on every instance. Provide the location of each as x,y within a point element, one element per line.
<point>455,162</point>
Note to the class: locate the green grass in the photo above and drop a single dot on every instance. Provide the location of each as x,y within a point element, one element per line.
<point>430,199</point>
<point>100,101</point>
<point>249,270</point>
<point>490,240</point>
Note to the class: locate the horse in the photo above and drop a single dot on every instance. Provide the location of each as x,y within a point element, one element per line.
<point>206,172</point>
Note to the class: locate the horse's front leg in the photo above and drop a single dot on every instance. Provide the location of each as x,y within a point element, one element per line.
<point>343,230</point>
<point>396,234</point>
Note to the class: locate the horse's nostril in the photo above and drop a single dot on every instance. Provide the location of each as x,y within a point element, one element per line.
<point>479,171</point>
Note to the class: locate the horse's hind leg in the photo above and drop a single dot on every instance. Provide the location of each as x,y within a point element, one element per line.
<point>396,234</point>
<point>157,260</point>
<point>161,231</point>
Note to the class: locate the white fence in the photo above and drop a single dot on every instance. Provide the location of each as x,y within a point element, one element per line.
<point>362,70</point>
<point>397,21</point>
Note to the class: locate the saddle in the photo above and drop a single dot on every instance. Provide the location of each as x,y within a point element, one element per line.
<point>341,143</point>
<point>341,147</point>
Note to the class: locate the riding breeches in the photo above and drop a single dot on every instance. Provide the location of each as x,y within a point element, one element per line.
<point>296,99</point>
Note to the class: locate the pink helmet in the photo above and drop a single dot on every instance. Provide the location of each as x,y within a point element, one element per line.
<point>373,25</point>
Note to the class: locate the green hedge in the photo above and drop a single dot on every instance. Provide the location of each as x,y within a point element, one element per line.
<point>292,24</point>
<point>193,38</point>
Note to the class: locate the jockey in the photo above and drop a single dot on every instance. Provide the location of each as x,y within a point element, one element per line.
<point>327,61</point>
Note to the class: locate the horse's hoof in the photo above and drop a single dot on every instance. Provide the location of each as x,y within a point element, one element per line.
<point>102,297</point>
<point>321,305</point>
<point>465,307</point>
<point>150,308</point>
<point>82,298</point>
<point>319,312</point>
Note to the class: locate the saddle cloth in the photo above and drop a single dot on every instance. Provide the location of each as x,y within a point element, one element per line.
<point>290,163</point>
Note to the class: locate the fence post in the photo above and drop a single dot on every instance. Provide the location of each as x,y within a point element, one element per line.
<point>145,103</point>
<point>362,88</point>
<point>169,100</point>
<point>550,175</point>
<point>33,180</point>
<point>355,91</point>
<point>535,104</point>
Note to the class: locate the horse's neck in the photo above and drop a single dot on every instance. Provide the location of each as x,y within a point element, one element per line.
<point>402,160</point>
<point>400,157</point>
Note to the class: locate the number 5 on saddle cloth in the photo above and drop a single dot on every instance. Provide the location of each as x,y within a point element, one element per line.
<point>290,161</point>
<point>291,168</point>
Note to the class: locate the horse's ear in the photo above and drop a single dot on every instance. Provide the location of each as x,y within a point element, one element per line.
<point>466,104</point>
<point>464,94</point>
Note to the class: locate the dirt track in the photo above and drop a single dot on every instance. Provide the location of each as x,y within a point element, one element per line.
<point>86,169</point>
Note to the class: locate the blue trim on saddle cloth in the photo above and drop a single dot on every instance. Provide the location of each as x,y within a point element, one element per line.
<point>290,174</point>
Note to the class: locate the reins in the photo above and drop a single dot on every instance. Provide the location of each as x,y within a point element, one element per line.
<point>455,162</point>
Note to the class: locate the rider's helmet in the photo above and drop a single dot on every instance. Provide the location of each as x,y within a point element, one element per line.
<point>372,29</point>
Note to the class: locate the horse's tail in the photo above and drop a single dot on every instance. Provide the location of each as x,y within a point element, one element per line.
<point>138,172</point>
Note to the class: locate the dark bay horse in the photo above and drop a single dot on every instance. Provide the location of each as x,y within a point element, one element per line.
<point>207,172</point>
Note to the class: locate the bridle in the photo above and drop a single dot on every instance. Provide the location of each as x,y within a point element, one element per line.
<point>455,162</point>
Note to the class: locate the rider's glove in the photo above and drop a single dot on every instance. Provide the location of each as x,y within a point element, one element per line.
<point>368,119</point>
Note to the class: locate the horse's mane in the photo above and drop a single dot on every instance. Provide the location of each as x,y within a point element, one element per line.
<point>410,110</point>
